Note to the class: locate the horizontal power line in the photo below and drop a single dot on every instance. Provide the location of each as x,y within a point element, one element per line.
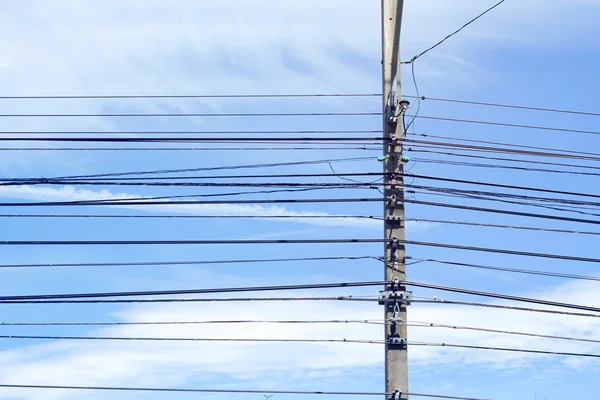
<point>506,144</point>
<point>188,390</point>
<point>223,140</point>
<point>207,322</point>
<point>501,105</point>
<point>179,339</point>
<point>194,291</point>
<point>485,225</point>
<point>204,115</point>
<point>504,212</point>
<point>498,166</point>
<point>506,125</point>
<point>503,269</point>
<point>504,332</point>
<point>362,148</point>
<point>514,350</point>
<point>191,96</point>
<point>262,132</point>
<point>191,300</point>
<point>503,186</point>
<point>223,167</point>
<point>432,144</point>
<point>71,296</point>
<point>504,307</point>
<point>513,160</point>
<point>262,340</point>
<point>498,251</point>
<point>192,262</point>
<point>292,217</point>
<point>109,202</point>
<point>184,242</point>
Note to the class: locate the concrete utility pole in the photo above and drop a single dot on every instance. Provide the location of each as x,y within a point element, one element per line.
<point>395,295</point>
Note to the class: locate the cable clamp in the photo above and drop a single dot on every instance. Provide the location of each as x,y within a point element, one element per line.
<point>397,297</point>
<point>396,394</point>
<point>397,341</point>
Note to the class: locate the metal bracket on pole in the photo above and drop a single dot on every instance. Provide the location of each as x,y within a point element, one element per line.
<point>396,395</point>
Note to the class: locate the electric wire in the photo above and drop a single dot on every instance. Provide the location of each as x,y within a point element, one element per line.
<point>504,307</point>
<point>191,96</point>
<point>487,225</point>
<point>514,106</point>
<point>204,115</point>
<point>543,352</point>
<point>504,212</point>
<point>110,202</point>
<point>412,60</point>
<point>190,390</point>
<point>221,168</point>
<point>504,332</point>
<point>203,322</point>
<point>274,217</point>
<point>503,269</point>
<point>507,125</point>
<point>190,262</point>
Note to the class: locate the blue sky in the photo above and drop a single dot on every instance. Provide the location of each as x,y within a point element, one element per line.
<point>526,52</point>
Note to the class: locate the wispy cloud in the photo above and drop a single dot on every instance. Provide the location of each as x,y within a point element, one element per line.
<point>171,364</point>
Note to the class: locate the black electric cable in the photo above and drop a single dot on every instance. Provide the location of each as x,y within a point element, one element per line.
<point>204,115</point>
<point>412,60</point>
<point>189,96</point>
<point>188,390</point>
<point>543,352</point>
<point>109,202</point>
<point>487,225</point>
<point>503,332</point>
<point>514,106</point>
<point>504,212</point>
<point>507,125</point>
<point>299,217</point>
<point>190,262</point>
<point>503,269</point>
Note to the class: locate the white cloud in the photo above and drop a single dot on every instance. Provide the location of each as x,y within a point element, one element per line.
<point>69,193</point>
<point>244,364</point>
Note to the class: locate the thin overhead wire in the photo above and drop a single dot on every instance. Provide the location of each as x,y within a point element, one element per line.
<point>110,202</point>
<point>484,225</point>
<point>204,322</point>
<point>412,60</point>
<point>188,390</point>
<point>191,300</point>
<point>191,96</point>
<point>263,132</point>
<point>543,352</point>
<point>171,339</point>
<point>204,115</point>
<point>504,212</point>
<point>193,291</point>
<point>504,307</point>
<point>71,296</point>
<point>183,242</point>
<point>193,262</point>
<point>508,125</point>
<point>223,140</point>
<point>503,269</point>
<point>274,217</point>
<point>498,251</point>
<point>503,332</point>
<point>362,148</point>
<point>513,106</point>
<point>222,168</point>
<point>499,166</point>
<point>506,144</point>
